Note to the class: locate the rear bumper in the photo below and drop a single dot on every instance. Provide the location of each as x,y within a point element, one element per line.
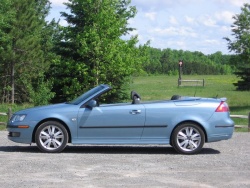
<point>220,127</point>
<point>221,133</point>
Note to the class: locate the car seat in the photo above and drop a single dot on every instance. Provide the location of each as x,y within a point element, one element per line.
<point>135,97</point>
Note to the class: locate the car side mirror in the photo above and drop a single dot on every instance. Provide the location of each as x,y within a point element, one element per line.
<point>91,104</point>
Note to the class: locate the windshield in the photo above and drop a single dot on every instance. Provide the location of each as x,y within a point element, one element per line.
<point>86,95</point>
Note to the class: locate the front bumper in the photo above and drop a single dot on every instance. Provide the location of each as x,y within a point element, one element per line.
<point>20,132</point>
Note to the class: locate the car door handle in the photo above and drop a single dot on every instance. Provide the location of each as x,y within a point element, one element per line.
<point>134,112</point>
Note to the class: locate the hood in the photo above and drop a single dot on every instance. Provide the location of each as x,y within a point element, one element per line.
<point>37,108</point>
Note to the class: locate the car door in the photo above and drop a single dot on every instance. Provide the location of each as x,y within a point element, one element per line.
<point>158,124</point>
<point>123,122</point>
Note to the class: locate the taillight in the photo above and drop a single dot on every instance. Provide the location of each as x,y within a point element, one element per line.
<point>223,107</point>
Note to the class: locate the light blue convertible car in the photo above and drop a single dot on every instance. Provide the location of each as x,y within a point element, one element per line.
<point>186,123</point>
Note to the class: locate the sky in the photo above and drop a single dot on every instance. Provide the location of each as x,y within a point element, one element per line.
<point>189,25</point>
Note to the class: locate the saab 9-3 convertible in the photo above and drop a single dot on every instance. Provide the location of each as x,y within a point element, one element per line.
<point>186,123</point>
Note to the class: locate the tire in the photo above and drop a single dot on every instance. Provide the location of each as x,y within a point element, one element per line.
<point>51,137</point>
<point>188,138</point>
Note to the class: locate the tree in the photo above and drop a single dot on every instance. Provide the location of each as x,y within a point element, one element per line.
<point>241,46</point>
<point>153,65</point>
<point>92,51</point>
<point>22,49</point>
<point>7,19</point>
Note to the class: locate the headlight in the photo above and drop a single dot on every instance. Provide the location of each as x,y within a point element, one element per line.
<point>18,117</point>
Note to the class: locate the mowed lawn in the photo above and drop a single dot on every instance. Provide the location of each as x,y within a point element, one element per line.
<point>163,87</point>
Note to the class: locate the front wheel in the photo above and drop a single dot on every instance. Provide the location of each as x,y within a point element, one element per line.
<point>188,138</point>
<point>51,137</point>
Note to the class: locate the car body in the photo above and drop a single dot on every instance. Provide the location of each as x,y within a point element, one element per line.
<point>186,123</point>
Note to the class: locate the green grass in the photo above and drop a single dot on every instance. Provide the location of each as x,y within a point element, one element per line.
<point>163,87</point>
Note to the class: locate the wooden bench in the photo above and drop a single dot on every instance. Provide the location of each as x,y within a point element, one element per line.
<point>193,82</point>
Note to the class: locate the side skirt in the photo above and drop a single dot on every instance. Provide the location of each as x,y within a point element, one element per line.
<point>120,141</point>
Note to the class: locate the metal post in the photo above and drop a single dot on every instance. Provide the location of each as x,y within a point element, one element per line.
<point>180,71</point>
<point>180,68</point>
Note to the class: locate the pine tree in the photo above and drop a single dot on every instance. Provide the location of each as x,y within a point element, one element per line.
<point>24,56</point>
<point>241,45</point>
<point>92,50</point>
<point>7,18</point>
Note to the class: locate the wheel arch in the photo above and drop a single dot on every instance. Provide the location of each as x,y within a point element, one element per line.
<point>51,119</point>
<point>189,121</point>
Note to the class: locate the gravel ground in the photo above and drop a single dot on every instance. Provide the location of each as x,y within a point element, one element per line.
<point>220,164</point>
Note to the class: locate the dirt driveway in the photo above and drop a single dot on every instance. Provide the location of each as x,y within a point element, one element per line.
<point>220,164</point>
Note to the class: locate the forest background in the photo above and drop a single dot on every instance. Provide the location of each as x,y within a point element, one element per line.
<point>43,62</point>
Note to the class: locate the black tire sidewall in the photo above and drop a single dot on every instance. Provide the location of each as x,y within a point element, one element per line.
<point>174,138</point>
<point>60,126</point>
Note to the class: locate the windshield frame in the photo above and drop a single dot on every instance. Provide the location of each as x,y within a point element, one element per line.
<point>90,94</point>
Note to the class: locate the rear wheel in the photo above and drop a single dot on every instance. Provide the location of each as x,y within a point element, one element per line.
<point>188,138</point>
<point>51,137</point>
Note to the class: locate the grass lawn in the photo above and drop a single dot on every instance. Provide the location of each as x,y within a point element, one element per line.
<point>163,87</point>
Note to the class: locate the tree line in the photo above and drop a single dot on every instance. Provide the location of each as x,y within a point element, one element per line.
<point>166,62</point>
<point>42,61</point>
